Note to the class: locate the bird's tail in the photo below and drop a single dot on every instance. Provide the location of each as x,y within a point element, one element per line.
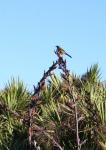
<point>68,55</point>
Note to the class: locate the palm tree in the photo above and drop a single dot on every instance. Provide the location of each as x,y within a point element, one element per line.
<point>13,102</point>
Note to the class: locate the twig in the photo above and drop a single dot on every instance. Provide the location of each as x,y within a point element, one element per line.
<point>65,75</point>
<point>77,127</point>
<point>35,98</point>
<point>55,143</point>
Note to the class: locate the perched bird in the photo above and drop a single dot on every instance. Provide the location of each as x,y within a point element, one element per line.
<point>61,51</point>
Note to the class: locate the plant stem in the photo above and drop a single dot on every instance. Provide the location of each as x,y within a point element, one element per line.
<point>77,128</point>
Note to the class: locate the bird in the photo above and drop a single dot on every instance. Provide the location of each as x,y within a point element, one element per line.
<point>60,51</point>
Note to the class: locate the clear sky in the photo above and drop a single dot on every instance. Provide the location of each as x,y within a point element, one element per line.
<point>30,29</point>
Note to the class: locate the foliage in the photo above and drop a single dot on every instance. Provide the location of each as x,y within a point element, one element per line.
<point>13,103</point>
<point>55,120</point>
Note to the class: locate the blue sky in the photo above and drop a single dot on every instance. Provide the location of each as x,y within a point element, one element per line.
<point>30,29</point>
